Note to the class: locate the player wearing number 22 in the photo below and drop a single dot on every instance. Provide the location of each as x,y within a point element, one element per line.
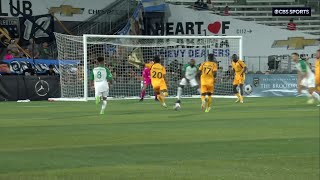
<point>99,77</point>
<point>208,72</point>
<point>239,68</point>
<point>158,80</point>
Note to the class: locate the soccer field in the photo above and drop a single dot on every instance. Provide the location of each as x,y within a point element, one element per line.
<point>265,138</point>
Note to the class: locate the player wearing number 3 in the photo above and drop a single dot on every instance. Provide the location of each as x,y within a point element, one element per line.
<point>208,72</point>
<point>99,78</point>
<point>158,80</point>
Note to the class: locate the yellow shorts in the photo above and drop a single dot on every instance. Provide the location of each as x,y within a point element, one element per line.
<point>318,87</point>
<point>159,87</point>
<point>239,80</point>
<point>207,89</point>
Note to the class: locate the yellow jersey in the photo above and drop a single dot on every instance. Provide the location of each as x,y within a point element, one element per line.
<point>238,67</point>
<point>207,70</point>
<point>317,71</point>
<point>148,65</point>
<point>157,74</point>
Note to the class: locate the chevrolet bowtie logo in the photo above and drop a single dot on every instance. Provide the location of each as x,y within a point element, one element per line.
<point>295,43</point>
<point>66,10</point>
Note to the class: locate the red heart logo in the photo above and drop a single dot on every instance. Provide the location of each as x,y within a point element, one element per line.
<point>215,27</point>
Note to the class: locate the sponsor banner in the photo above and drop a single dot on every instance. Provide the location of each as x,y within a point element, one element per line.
<point>271,84</point>
<point>18,65</point>
<point>258,40</point>
<point>15,88</point>
<point>64,10</point>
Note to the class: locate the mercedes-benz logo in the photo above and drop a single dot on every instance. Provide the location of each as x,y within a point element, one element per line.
<point>42,88</point>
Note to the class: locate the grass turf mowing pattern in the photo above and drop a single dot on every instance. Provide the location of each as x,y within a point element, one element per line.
<point>265,138</point>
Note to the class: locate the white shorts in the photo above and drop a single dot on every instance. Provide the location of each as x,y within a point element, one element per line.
<point>101,90</point>
<point>192,82</point>
<point>308,82</point>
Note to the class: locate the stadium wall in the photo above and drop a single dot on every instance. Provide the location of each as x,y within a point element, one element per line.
<point>258,40</point>
<point>64,10</point>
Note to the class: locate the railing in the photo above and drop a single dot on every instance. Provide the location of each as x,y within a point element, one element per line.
<point>109,18</point>
<point>274,64</point>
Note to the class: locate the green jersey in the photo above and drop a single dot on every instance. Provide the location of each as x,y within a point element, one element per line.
<point>100,74</point>
<point>190,72</point>
<point>304,68</point>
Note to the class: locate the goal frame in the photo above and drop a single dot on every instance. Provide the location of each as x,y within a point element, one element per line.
<point>85,54</point>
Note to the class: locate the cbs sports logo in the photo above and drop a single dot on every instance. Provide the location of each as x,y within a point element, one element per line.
<point>293,11</point>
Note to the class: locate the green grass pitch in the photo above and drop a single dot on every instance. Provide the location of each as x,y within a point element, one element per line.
<point>263,139</point>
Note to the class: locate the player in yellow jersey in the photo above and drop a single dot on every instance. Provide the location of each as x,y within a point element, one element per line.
<point>239,68</point>
<point>208,72</point>
<point>317,70</point>
<point>158,80</point>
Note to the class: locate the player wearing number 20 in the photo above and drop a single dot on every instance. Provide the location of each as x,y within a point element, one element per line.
<point>239,68</point>
<point>158,80</point>
<point>99,77</point>
<point>208,72</point>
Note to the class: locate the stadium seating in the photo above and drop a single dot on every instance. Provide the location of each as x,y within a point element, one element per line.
<point>193,1</point>
<point>260,12</point>
<point>111,19</point>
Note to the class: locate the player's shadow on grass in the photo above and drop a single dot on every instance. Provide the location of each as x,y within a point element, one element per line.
<point>130,113</point>
<point>182,115</point>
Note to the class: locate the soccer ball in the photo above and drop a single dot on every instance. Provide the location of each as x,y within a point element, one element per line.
<point>177,107</point>
<point>248,89</point>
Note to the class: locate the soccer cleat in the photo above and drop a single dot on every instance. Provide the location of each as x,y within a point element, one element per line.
<point>141,100</point>
<point>310,101</point>
<point>101,112</point>
<point>241,101</point>
<point>208,109</point>
<point>98,99</point>
<point>238,100</point>
<point>164,105</point>
<point>318,105</point>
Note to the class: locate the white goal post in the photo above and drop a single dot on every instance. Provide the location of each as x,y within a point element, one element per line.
<point>77,56</point>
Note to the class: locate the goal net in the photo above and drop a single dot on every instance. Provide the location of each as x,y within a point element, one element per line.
<point>77,56</point>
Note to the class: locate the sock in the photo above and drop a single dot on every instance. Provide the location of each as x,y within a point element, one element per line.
<point>238,95</point>
<point>202,98</point>
<point>104,105</point>
<point>143,93</point>
<point>241,98</point>
<point>155,96</point>
<point>163,96</point>
<point>160,99</point>
<point>316,96</point>
<point>209,101</point>
<point>306,92</point>
<point>179,92</point>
